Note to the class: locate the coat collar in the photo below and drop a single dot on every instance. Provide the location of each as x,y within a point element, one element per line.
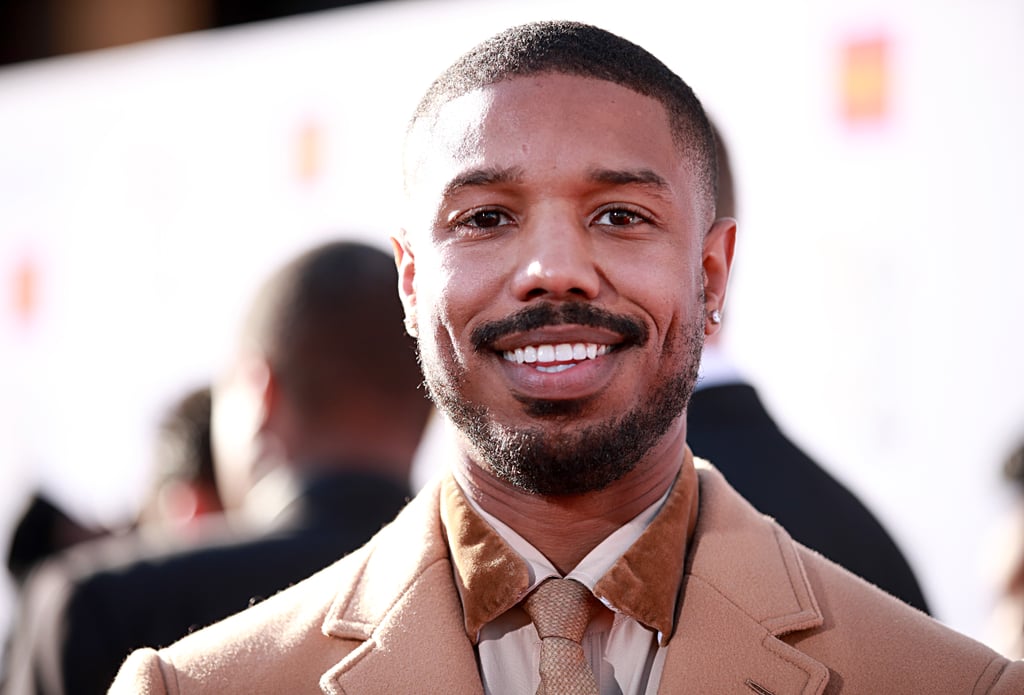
<point>743,588</point>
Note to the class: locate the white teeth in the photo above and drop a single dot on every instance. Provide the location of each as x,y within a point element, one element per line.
<point>555,368</point>
<point>562,352</point>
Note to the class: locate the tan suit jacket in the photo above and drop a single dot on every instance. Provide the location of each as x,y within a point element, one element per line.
<point>758,614</point>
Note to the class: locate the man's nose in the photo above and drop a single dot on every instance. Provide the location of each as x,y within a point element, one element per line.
<point>556,261</point>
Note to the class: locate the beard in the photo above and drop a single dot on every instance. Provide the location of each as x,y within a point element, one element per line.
<point>560,457</point>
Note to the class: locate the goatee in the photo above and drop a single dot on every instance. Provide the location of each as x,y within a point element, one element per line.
<point>558,457</point>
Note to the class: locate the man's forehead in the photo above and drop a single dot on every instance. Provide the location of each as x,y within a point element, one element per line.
<point>457,130</point>
<point>457,126</point>
<point>476,101</point>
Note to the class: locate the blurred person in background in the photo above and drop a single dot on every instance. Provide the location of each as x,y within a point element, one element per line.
<point>185,488</point>
<point>182,494</point>
<point>729,425</point>
<point>184,491</point>
<point>316,421</point>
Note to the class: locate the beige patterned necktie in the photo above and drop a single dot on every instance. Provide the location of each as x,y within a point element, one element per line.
<point>561,610</point>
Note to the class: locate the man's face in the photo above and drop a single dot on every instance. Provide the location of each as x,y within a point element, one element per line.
<point>553,270</point>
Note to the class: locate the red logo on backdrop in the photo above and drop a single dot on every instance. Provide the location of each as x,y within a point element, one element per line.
<point>865,80</point>
<point>24,290</point>
<point>309,155</point>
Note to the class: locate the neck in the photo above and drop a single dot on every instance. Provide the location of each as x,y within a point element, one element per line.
<point>566,528</point>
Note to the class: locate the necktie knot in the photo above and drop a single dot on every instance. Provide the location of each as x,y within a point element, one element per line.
<point>560,610</point>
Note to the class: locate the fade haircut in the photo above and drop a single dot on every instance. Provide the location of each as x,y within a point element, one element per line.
<point>572,48</point>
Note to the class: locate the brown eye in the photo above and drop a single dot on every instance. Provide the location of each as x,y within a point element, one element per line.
<point>621,217</point>
<point>486,219</point>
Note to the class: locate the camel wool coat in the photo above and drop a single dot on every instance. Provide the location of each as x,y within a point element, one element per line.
<point>757,613</point>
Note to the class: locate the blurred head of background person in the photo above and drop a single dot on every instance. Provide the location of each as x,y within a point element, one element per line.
<point>185,487</point>
<point>728,424</point>
<point>323,379</point>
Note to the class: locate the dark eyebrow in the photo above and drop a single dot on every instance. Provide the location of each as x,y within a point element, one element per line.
<point>488,176</point>
<point>621,177</point>
<point>483,177</point>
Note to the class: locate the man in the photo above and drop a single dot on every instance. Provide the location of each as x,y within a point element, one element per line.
<point>727,423</point>
<point>315,426</point>
<point>561,266</point>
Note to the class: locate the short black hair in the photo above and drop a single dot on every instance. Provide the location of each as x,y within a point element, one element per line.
<point>330,324</point>
<point>573,48</point>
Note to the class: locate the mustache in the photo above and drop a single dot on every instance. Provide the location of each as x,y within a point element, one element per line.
<point>548,314</point>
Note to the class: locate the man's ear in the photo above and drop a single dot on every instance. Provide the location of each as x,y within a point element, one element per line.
<point>272,396</point>
<point>406,263</point>
<point>719,244</point>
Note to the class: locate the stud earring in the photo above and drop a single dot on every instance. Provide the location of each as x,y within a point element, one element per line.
<point>716,316</point>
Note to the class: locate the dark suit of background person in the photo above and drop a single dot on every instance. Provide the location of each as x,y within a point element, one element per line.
<point>728,424</point>
<point>317,427</point>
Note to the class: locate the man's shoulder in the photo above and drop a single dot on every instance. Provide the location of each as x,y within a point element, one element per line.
<point>745,564</point>
<point>869,637</point>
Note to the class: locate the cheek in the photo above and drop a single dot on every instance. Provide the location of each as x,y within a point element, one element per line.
<point>666,291</point>
<point>460,289</point>
<point>439,307</point>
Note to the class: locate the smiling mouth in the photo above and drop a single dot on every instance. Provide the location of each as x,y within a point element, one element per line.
<point>556,358</point>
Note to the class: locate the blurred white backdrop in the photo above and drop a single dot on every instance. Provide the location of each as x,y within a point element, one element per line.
<point>877,301</point>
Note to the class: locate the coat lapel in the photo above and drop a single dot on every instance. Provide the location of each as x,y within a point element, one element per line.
<point>402,606</point>
<point>718,648</point>
<point>743,589</point>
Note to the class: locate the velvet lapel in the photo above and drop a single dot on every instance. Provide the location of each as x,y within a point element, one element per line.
<point>744,587</point>
<point>403,606</point>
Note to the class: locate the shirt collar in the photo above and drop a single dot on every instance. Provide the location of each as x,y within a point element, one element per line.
<point>490,576</point>
<point>592,567</point>
<point>643,583</point>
